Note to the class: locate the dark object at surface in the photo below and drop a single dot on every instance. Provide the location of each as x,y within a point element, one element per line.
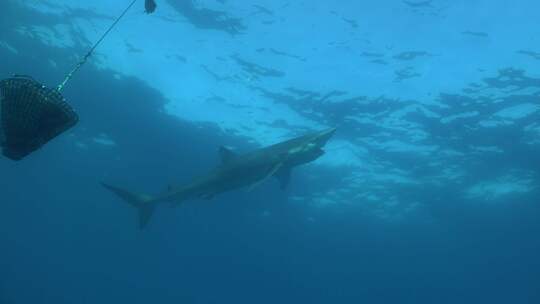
<point>30,116</point>
<point>150,6</point>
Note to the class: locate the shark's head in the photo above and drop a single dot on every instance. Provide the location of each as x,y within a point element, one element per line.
<point>310,148</point>
<point>320,138</point>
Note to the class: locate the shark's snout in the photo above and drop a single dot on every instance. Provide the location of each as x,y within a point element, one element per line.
<point>325,135</point>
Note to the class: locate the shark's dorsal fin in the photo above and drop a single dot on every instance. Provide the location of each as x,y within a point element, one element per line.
<point>284,177</point>
<point>226,154</point>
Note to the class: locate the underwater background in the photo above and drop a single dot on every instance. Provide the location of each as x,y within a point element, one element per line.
<point>428,192</point>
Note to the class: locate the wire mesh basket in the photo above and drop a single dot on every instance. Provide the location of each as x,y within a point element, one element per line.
<point>31,115</point>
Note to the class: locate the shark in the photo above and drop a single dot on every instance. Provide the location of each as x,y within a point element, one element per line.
<point>235,171</point>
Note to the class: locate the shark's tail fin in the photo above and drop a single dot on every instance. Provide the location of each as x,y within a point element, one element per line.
<point>144,203</point>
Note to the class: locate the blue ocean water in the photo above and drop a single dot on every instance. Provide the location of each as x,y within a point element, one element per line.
<point>427,193</point>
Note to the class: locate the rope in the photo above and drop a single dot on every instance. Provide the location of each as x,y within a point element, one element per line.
<point>83,61</point>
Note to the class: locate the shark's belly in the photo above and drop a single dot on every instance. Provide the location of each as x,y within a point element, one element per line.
<point>230,180</point>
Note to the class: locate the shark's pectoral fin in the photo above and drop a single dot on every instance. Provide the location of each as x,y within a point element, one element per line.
<point>273,171</point>
<point>226,155</point>
<point>284,177</point>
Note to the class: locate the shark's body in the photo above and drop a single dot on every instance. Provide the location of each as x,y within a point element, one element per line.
<point>236,171</point>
